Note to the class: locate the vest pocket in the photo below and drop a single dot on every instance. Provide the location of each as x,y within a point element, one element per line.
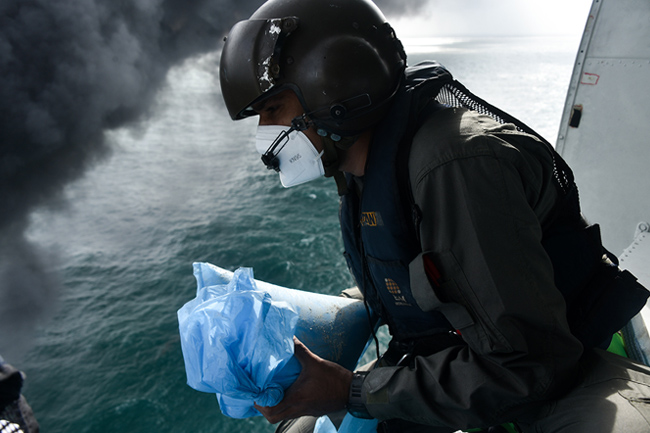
<point>392,282</point>
<point>391,279</point>
<point>453,297</point>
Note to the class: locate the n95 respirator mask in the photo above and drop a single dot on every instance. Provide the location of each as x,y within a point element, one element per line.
<point>289,152</point>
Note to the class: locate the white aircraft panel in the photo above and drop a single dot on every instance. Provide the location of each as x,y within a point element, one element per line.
<point>605,129</point>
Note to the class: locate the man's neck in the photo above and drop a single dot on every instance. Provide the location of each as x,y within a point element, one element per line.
<point>357,155</point>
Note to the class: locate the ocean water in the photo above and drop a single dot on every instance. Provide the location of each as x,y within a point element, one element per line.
<point>186,185</point>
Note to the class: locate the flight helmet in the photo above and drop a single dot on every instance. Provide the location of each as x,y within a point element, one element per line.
<point>340,57</point>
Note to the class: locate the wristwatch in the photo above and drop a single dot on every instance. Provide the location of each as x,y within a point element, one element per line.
<point>355,405</point>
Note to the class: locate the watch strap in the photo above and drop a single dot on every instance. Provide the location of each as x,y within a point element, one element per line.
<point>356,407</point>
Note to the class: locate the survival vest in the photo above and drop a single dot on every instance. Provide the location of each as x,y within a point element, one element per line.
<point>378,230</point>
<point>379,226</point>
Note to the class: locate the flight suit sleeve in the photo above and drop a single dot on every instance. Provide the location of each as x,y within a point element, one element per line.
<point>481,205</point>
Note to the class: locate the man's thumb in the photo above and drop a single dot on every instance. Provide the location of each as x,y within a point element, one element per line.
<point>301,351</point>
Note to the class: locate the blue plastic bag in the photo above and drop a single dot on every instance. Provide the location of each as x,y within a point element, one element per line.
<point>238,344</point>
<point>333,327</point>
<point>350,424</point>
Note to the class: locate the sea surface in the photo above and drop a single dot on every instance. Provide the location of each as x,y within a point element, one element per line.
<point>187,185</point>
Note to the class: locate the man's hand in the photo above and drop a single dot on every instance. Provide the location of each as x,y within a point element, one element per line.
<point>321,388</point>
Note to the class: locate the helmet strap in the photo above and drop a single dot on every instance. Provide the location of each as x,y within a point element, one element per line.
<point>331,160</point>
<point>341,183</point>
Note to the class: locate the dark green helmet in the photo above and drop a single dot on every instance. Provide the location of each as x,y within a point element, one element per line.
<point>340,57</point>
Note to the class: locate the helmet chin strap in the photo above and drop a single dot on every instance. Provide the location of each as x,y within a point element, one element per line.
<point>333,147</point>
<point>333,153</point>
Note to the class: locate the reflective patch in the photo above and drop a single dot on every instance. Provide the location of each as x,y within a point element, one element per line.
<point>371,219</point>
<point>394,290</point>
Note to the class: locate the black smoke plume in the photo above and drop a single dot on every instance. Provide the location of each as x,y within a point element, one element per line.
<point>71,70</point>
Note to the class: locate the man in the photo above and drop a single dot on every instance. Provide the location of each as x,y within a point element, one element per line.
<point>462,230</point>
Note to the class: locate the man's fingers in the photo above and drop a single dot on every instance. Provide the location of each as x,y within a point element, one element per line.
<point>322,387</point>
<point>273,414</point>
<point>286,408</point>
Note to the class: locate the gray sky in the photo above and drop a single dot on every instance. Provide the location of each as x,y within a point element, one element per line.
<point>494,17</point>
